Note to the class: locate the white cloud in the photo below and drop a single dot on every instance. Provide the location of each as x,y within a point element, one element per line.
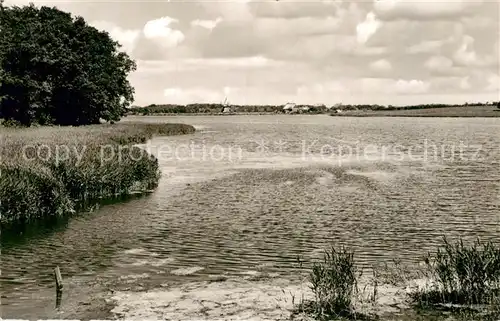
<point>411,86</point>
<point>177,95</point>
<point>465,84</point>
<point>295,9</point>
<point>244,62</point>
<point>422,10</point>
<point>382,65</point>
<point>284,49</point>
<point>451,84</point>
<point>127,38</point>
<point>467,56</point>
<point>159,30</point>
<point>379,86</point>
<point>493,83</point>
<point>207,24</point>
<point>300,26</point>
<point>204,64</point>
<point>233,11</point>
<point>478,22</point>
<point>366,29</point>
<point>430,46</point>
<point>320,93</point>
<point>321,88</point>
<point>439,64</point>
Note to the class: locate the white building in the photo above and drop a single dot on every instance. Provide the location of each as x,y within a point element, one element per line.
<point>289,107</point>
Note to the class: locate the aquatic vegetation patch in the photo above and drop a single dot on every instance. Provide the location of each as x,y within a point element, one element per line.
<point>334,284</point>
<point>48,172</point>
<point>458,282</point>
<point>463,277</point>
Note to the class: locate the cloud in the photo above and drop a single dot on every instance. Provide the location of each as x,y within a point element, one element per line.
<point>439,64</point>
<point>363,86</point>
<point>493,83</point>
<point>233,11</point>
<point>451,84</point>
<point>465,84</point>
<point>245,62</point>
<point>323,48</point>
<point>367,28</point>
<point>160,31</point>
<point>426,46</point>
<point>185,65</point>
<point>320,93</point>
<point>411,86</point>
<point>296,27</point>
<point>479,22</point>
<point>387,51</point>
<point>295,9</point>
<point>177,95</point>
<point>127,38</point>
<point>380,86</point>
<point>467,56</point>
<point>423,10</point>
<point>382,65</point>
<point>207,24</point>
<point>321,88</point>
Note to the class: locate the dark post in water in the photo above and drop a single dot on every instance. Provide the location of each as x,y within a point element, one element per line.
<point>59,286</point>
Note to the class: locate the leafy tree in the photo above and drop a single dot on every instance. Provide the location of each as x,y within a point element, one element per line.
<point>56,69</point>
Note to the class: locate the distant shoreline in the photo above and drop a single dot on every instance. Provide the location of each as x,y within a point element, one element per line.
<point>440,112</point>
<point>417,116</point>
<point>444,112</point>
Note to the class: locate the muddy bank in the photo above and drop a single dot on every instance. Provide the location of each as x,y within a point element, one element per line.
<point>253,297</point>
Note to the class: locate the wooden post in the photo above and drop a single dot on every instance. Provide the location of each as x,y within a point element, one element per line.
<point>58,299</point>
<point>59,284</point>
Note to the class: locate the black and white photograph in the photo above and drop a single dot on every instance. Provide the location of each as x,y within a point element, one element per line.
<point>301,160</point>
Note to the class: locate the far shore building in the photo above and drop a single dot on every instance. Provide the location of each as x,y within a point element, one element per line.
<point>227,108</point>
<point>289,107</point>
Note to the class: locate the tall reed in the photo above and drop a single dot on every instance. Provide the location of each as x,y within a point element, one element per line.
<point>51,171</point>
<point>462,274</point>
<point>334,284</point>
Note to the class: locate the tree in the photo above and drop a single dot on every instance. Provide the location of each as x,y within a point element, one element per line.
<point>56,69</point>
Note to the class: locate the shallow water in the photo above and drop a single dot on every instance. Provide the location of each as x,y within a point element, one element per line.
<point>247,195</point>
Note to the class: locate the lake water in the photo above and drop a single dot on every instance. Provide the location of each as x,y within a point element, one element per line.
<point>246,195</point>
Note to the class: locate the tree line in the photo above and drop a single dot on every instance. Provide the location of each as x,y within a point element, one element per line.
<point>218,108</point>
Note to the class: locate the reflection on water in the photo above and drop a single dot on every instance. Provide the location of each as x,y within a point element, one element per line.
<point>280,196</point>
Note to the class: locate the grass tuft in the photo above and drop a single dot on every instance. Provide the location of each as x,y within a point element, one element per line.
<point>334,283</point>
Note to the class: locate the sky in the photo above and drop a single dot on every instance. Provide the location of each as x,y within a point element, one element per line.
<point>395,52</point>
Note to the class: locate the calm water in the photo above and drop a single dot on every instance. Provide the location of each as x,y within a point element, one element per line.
<point>251,193</point>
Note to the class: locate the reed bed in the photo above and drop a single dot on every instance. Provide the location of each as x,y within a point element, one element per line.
<point>48,172</point>
<point>463,283</point>
<point>461,275</point>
